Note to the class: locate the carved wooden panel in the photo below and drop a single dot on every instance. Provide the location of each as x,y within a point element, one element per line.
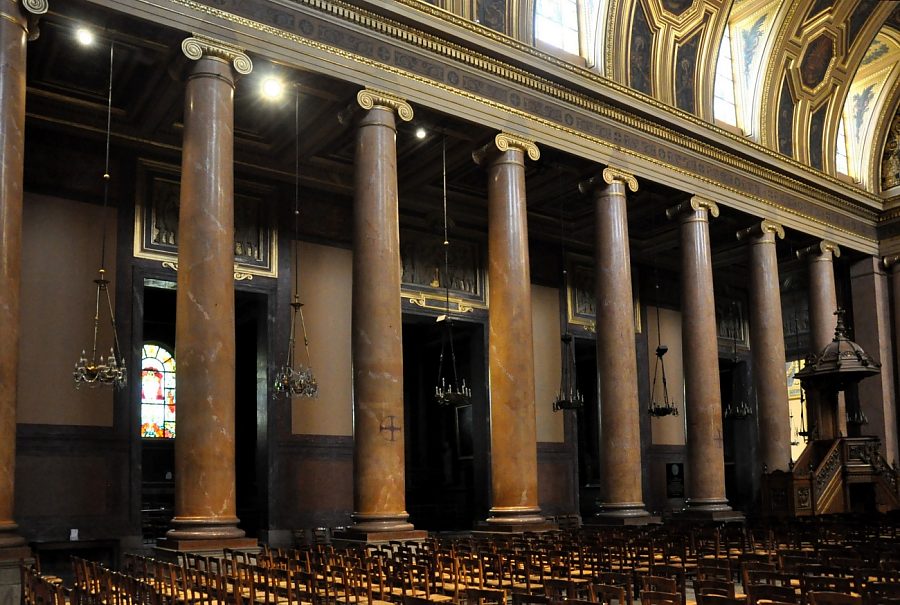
<point>424,279</point>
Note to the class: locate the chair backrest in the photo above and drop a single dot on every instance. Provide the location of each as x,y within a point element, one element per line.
<point>833,598</point>
<point>658,597</point>
<point>770,592</point>
<point>480,596</point>
<point>711,586</point>
<point>617,578</point>
<point>521,598</point>
<point>659,584</point>
<point>717,599</point>
<point>608,594</point>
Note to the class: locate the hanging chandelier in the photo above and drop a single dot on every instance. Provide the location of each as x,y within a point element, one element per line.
<point>657,408</point>
<point>97,370</point>
<point>568,398</point>
<point>455,392</point>
<point>293,380</point>
<point>742,409</point>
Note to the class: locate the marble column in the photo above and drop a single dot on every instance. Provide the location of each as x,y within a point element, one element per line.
<point>205,509</point>
<point>514,483</point>
<point>767,345</point>
<point>700,352</point>
<point>824,409</point>
<point>622,499</point>
<point>379,500</point>
<point>14,33</point>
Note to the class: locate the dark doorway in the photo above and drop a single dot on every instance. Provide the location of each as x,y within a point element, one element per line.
<point>251,392</point>
<point>444,444</point>
<point>250,405</point>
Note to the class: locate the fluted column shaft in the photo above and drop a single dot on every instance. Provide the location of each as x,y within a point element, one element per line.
<point>205,508</point>
<point>377,331</point>
<point>703,401</point>
<point>510,339</point>
<point>620,450</point>
<point>767,346</point>
<point>13,39</point>
<point>830,419</point>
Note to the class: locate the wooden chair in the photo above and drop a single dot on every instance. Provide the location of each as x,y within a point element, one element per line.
<point>485,596</point>
<point>714,569</point>
<point>608,594</point>
<point>617,578</point>
<point>659,584</point>
<point>714,586</point>
<point>770,592</point>
<point>524,598</point>
<point>810,584</point>
<point>657,597</point>
<point>717,599</point>
<point>833,598</point>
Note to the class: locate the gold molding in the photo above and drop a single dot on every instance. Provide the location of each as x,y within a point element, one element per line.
<point>238,274</point>
<point>612,175</point>
<point>369,98</point>
<point>439,303</point>
<point>198,46</point>
<point>695,204</point>
<point>603,110</point>
<point>761,228</point>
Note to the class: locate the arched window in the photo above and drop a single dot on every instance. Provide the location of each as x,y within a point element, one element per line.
<point>569,25</point>
<point>840,154</point>
<point>724,108</point>
<point>157,392</point>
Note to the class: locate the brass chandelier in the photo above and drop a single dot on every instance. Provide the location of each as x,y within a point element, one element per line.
<point>293,380</point>
<point>97,370</point>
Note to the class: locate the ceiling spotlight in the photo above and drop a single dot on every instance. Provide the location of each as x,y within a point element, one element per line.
<point>421,133</point>
<point>273,88</point>
<point>84,36</point>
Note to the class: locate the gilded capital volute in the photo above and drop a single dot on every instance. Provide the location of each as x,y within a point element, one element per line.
<point>761,228</point>
<point>369,98</point>
<point>614,175</point>
<point>823,248</point>
<point>504,142</point>
<point>197,46</point>
<point>692,205</point>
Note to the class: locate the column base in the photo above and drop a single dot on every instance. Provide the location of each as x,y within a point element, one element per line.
<point>14,553</point>
<point>709,509</point>
<point>197,534</point>
<point>374,523</point>
<point>11,577</point>
<point>630,513</point>
<point>515,519</point>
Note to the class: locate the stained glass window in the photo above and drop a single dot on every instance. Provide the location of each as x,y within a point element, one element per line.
<point>157,392</point>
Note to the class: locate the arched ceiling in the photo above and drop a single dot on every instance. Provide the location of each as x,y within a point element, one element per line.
<point>804,71</point>
<point>799,68</point>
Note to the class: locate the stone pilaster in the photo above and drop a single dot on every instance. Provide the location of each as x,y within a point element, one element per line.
<point>703,402</point>
<point>510,340</point>
<point>824,409</point>
<point>16,27</point>
<point>620,439</point>
<point>205,507</point>
<point>767,345</point>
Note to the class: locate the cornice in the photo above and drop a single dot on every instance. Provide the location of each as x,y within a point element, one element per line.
<point>600,111</point>
<point>594,79</point>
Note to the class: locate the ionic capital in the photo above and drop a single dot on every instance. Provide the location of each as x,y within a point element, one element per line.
<point>614,175</point>
<point>695,204</point>
<point>504,142</point>
<point>33,10</point>
<point>891,263</point>
<point>822,248</point>
<point>761,228</point>
<point>369,98</point>
<point>197,46</point>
